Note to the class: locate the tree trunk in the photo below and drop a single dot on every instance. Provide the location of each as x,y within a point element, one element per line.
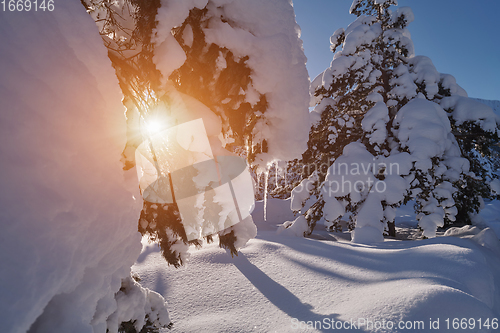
<point>391,226</point>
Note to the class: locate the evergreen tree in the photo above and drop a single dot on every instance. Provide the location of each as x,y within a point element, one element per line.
<point>378,107</point>
<point>475,129</point>
<point>180,60</point>
<point>127,28</point>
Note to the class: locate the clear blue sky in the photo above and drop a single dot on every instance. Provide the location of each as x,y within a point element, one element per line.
<point>462,37</point>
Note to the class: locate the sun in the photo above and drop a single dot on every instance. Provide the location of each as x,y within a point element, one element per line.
<point>154,126</point>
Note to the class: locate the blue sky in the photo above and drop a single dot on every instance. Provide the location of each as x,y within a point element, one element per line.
<point>462,37</point>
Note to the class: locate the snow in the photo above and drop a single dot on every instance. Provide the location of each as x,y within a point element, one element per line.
<point>297,227</point>
<point>267,33</point>
<point>368,234</point>
<point>405,12</point>
<point>169,56</point>
<point>335,39</point>
<point>495,105</point>
<point>375,122</point>
<point>360,32</point>
<point>132,298</point>
<point>171,14</point>
<point>354,175</point>
<point>423,71</point>
<point>468,109</point>
<point>495,186</point>
<point>424,128</point>
<point>489,217</point>
<point>278,281</point>
<point>68,213</point>
<point>449,82</point>
<point>333,209</point>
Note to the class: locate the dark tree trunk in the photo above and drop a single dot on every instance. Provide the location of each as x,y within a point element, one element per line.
<point>391,226</point>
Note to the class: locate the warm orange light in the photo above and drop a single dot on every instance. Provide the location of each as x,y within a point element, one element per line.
<point>154,126</point>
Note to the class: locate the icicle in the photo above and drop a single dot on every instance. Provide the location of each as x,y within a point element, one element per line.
<point>277,172</point>
<point>285,173</point>
<point>266,185</point>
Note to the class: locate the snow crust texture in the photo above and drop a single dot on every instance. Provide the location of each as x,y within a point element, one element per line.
<point>68,216</point>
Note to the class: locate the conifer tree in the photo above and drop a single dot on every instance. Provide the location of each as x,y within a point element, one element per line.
<point>375,107</point>
<point>127,28</point>
<point>476,131</point>
<point>172,54</point>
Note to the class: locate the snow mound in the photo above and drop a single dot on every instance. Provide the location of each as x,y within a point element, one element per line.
<point>367,235</point>
<point>488,238</point>
<point>466,230</point>
<point>297,227</point>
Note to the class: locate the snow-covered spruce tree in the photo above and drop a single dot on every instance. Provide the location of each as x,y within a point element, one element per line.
<point>475,127</point>
<point>380,137</point>
<point>237,65</point>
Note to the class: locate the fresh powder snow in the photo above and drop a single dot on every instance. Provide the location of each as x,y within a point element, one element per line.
<point>280,283</point>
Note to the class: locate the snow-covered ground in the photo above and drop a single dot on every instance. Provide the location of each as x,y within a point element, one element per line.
<point>280,283</point>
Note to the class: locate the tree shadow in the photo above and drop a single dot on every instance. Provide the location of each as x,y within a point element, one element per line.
<point>378,261</point>
<point>281,297</point>
<point>161,285</point>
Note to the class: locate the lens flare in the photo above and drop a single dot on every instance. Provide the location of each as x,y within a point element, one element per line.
<point>154,126</point>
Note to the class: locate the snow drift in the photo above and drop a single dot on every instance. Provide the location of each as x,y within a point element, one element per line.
<point>277,282</point>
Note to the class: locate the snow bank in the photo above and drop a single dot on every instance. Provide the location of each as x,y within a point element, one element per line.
<point>69,218</point>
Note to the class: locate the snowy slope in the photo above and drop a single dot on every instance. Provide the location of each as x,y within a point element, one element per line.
<point>276,279</point>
